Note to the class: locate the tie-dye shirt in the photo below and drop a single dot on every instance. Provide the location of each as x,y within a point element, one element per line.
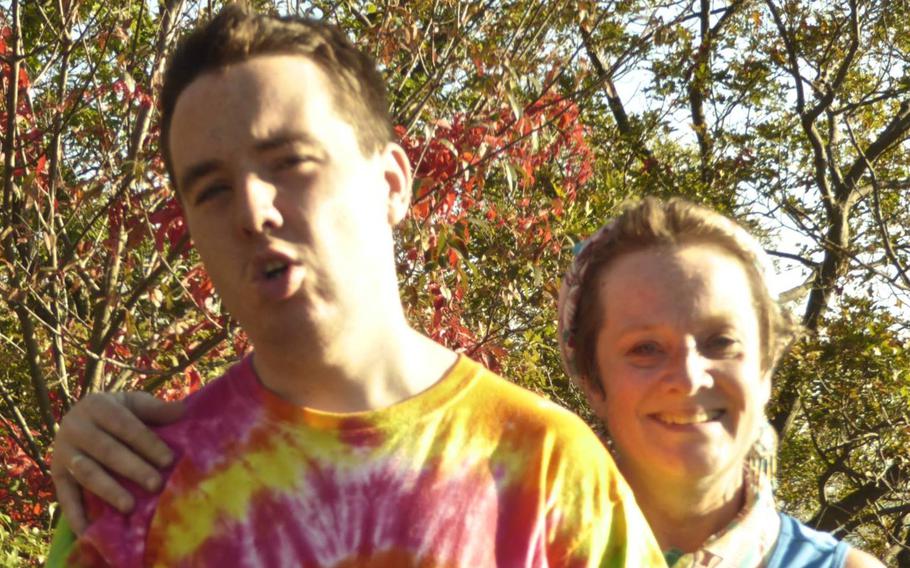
<point>473,472</point>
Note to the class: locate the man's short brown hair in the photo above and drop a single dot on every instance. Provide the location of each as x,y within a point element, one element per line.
<point>237,34</point>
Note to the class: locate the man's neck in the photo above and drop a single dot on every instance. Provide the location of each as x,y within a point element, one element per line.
<point>355,373</point>
<point>685,513</point>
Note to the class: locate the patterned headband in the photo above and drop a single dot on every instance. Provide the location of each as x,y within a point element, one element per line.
<point>569,293</point>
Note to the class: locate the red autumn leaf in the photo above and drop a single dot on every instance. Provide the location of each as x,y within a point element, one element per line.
<point>199,285</point>
<point>170,223</point>
<point>41,166</point>
<point>24,81</point>
<point>420,210</point>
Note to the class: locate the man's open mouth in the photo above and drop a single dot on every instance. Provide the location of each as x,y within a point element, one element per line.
<point>274,269</point>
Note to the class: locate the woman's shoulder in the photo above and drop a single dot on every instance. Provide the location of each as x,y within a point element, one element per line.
<point>856,558</point>
<point>804,547</point>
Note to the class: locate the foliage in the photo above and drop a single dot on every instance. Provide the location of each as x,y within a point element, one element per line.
<point>528,123</point>
<point>21,544</point>
<point>854,427</point>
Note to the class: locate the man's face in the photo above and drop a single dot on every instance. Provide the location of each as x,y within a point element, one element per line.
<point>291,219</point>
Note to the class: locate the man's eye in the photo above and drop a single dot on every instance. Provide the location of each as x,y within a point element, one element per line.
<point>210,191</point>
<point>290,161</point>
<point>721,344</point>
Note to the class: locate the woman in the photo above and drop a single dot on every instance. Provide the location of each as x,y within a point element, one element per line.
<point>667,324</point>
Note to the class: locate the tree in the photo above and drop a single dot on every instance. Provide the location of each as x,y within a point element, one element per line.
<point>99,288</point>
<point>528,123</point>
<point>798,114</point>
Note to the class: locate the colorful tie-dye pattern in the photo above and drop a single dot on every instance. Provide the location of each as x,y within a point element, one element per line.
<point>473,472</point>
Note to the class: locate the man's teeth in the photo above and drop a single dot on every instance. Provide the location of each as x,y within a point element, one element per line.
<point>274,266</point>
<point>688,417</point>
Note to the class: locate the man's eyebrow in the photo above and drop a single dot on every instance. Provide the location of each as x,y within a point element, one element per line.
<point>196,172</point>
<point>202,169</point>
<point>285,139</point>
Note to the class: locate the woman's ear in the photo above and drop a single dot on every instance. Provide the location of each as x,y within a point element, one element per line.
<point>765,386</point>
<point>397,170</point>
<point>595,395</point>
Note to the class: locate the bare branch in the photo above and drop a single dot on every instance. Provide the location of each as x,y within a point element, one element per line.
<point>895,131</point>
<point>33,358</point>
<point>638,146</point>
<point>12,105</point>
<point>30,445</point>
<point>791,256</point>
<point>836,516</point>
<point>877,210</point>
<point>841,74</point>
<point>188,360</point>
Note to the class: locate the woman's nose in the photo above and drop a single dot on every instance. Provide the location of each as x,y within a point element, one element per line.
<point>689,370</point>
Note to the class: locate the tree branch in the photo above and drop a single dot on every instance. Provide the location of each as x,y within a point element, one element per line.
<point>820,160</point>
<point>30,446</point>
<point>841,74</point>
<point>191,358</point>
<point>895,131</point>
<point>791,256</point>
<point>836,516</point>
<point>697,92</point>
<point>33,357</point>
<point>102,331</point>
<point>877,211</point>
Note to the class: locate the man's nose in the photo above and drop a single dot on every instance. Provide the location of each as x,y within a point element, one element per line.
<point>257,208</point>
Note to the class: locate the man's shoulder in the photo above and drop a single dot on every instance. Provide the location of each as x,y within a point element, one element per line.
<point>513,402</point>
<point>210,421</point>
<point>218,404</point>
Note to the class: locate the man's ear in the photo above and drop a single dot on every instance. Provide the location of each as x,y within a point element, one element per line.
<point>398,178</point>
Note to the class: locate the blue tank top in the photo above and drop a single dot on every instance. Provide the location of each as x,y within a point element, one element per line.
<point>798,546</point>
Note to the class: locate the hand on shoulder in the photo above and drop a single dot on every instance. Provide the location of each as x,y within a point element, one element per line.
<point>101,435</point>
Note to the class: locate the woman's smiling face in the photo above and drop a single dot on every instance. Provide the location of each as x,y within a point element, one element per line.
<point>679,358</point>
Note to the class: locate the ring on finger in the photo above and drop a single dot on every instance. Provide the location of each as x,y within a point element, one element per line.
<point>74,463</point>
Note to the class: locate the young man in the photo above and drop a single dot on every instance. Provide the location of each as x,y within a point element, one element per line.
<point>347,438</point>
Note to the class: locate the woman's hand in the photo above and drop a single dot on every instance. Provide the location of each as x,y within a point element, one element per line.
<point>103,433</point>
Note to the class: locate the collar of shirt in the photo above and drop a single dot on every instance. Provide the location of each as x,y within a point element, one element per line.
<point>747,541</point>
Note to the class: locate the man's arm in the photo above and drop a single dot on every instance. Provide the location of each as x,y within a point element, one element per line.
<point>105,432</point>
<point>61,545</point>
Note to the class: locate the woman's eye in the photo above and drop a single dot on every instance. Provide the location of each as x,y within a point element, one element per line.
<point>645,349</point>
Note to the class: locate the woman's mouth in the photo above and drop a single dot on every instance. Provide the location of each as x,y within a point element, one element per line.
<point>687,417</point>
